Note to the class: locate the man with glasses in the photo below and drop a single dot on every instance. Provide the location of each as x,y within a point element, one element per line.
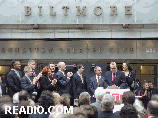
<point>115,77</point>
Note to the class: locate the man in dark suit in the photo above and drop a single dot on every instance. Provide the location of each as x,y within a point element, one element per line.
<point>2,88</point>
<point>14,79</point>
<point>27,83</point>
<point>79,82</point>
<point>107,105</point>
<point>152,89</point>
<point>63,80</point>
<point>96,81</point>
<point>52,67</point>
<point>115,76</point>
<point>36,73</point>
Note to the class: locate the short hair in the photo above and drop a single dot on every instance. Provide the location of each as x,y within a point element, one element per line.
<point>77,113</point>
<point>59,64</point>
<point>46,100</point>
<point>23,95</point>
<point>65,99</point>
<point>112,87</point>
<point>84,98</point>
<point>29,62</point>
<point>128,97</point>
<point>90,110</point>
<point>153,107</point>
<point>154,97</point>
<point>5,98</point>
<point>2,111</point>
<point>27,69</point>
<point>112,63</point>
<point>79,66</point>
<point>51,63</point>
<point>96,68</point>
<point>99,93</point>
<point>45,70</point>
<point>56,99</point>
<point>56,115</point>
<point>150,82</point>
<point>24,104</point>
<point>107,102</point>
<point>139,106</point>
<point>128,65</point>
<point>13,63</point>
<point>128,111</point>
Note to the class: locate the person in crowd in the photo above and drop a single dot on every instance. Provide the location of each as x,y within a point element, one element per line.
<point>139,87</point>
<point>107,105</point>
<point>46,100</point>
<point>2,88</point>
<point>5,98</point>
<point>152,109</point>
<point>63,81</point>
<point>46,80</point>
<point>96,81</point>
<point>146,94</point>
<point>2,110</point>
<point>14,78</point>
<point>35,73</point>
<point>25,105</point>
<point>52,67</point>
<point>55,114</point>
<point>84,99</point>
<point>115,76</point>
<point>129,74</point>
<point>16,98</point>
<point>154,97</point>
<point>152,89</point>
<point>98,95</point>
<point>90,110</point>
<point>23,95</point>
<point>79,82</point>
<point>77,113</point>
<point>57,98</point>
<point>65,100</point>
<point>128,111</point>
<point>27,83</point>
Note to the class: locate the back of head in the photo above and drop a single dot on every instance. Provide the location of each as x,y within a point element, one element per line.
<point>46,100</point>
<point>57,98</point>
<point>23,104</point>
<point>5,106</point>
<point>90,110</point>
<point>84,98</point>
<point>128,97</point>
<point>128,111</point>
<point>153,107</point>
<point>154,97</point>
<point>65,100</point>
<point>77,113</point>
<point>5,98</point>
<point>99,93</point>
<point>112,87</point>
<point>107,103</point>
<point>23,95</point>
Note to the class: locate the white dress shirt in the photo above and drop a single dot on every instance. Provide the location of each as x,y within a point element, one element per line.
<point>97,78</point>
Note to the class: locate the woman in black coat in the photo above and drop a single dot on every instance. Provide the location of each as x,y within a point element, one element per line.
<point>129,74</point>
<point>46,81</point>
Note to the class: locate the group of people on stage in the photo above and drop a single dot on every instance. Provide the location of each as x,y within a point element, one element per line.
<point>73,84</point>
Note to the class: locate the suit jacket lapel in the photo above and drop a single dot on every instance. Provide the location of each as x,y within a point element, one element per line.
<point>95,82</point>
<point>110,81</point>
<point>16,75</point>
<point>28,80</point>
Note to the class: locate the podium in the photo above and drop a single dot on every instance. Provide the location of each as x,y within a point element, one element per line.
<point>116,93</point>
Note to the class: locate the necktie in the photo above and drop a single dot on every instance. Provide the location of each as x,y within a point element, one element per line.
<point>38,83</point>
<point>53,75</point>
<point>113,78</point>
<point>98,81</point>
<point>81,78</point>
